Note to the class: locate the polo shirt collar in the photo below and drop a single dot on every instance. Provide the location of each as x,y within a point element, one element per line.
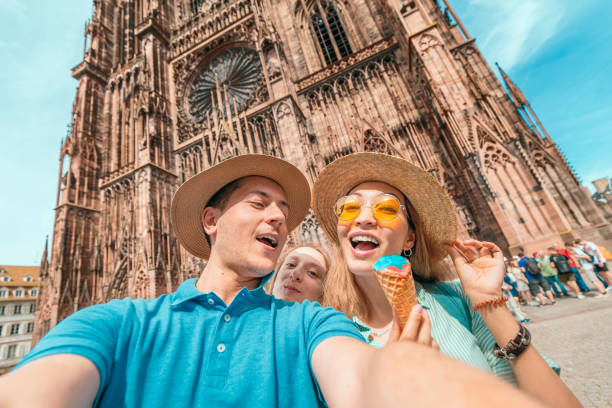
<point>187,291</point>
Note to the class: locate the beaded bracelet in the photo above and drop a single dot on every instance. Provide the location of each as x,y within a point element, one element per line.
<point>491,302</point>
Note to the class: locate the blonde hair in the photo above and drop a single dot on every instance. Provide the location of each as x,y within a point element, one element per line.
<point>342,292</point>
<point>329,256</point>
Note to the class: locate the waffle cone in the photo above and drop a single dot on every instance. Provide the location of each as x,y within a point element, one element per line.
<point>400,292</point>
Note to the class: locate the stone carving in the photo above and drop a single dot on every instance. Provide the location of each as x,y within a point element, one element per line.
<point>426,42</point>
<point>141,284</point>
<point>376,144</point>
<point>310,231</point>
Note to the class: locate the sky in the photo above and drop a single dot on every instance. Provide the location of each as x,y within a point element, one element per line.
<point>557,51</point>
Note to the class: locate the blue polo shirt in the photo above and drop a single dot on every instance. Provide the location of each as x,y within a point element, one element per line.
<point>523,263</point>
<point>189,349</point>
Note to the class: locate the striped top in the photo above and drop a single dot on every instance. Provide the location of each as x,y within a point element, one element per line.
<point>474,346</point>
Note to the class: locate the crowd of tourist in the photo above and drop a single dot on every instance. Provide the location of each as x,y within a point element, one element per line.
<point>576,268</point>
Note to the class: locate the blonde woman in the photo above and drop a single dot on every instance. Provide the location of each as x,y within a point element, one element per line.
<point>372,205</point>
<point>300,273</point>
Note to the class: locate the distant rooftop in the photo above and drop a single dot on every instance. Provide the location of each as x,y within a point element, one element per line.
<point>18,276</point>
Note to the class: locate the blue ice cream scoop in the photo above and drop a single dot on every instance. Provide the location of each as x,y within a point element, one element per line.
<point>387,261</point>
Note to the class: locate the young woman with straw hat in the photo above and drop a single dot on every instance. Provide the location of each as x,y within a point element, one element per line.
<point>373,205</point>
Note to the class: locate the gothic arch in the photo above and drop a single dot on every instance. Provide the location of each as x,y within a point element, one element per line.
<point>484,135</point>
<point>327,23</point>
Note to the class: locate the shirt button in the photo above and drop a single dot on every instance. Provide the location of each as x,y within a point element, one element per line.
<point>211,301</point>
<point>227,318</point>
<point>221,348</point>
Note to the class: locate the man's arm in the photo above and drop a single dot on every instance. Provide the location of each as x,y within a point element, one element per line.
<point>353,374</point>
<point>61,380</point>
<point>70,363</point>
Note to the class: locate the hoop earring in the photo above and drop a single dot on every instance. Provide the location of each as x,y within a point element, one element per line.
<point>407,253</point>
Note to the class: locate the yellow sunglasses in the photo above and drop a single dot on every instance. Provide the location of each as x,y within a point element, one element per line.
<point>385,207</point>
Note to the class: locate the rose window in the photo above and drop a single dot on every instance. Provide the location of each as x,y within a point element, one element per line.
<point>229,80</point>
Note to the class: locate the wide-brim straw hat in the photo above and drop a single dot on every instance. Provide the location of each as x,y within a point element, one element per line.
<point>436,215</point>
<point>192,196</point>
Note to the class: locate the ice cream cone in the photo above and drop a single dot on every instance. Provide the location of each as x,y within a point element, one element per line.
<point>396,280</point>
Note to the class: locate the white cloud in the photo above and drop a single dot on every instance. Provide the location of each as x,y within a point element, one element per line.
<point>512,31</point>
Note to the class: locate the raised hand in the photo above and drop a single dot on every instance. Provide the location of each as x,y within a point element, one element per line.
<point>480,266</point>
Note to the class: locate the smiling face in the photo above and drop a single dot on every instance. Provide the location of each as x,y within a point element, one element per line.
<point>301,276</point>
<point>249,232</point>
<point>364,239</point>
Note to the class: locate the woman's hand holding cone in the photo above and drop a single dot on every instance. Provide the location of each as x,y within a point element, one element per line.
<point>417,329</point>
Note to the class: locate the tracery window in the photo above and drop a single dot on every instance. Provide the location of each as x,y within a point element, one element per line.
<point>376,144</point>
<point>195,5</point>
<point>329,32</point>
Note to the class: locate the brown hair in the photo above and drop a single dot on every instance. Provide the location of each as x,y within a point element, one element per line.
<point>221,197</point>
<point>344,294</point>
<point>330,257</point>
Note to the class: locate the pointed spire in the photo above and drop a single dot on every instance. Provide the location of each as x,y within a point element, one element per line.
<point>514,91</point>
<point>46,247</point>
<point>44,261</point>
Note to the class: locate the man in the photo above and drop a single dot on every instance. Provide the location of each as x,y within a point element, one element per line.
<point>587,270</point>
<point>550,274</point>
<point>569,254</point>
<point>535,280</point>
<point>599,261</point>
<point>561,263</point>
<point>221,341</point>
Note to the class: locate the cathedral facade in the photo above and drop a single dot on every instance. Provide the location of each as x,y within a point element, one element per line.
<point>167,89</point>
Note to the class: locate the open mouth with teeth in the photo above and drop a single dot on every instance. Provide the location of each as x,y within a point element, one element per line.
<point>268,240</point>
<point>364,242</point>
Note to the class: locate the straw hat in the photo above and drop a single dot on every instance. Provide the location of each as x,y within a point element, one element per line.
<point>191,198</point>
<point>435,210</point>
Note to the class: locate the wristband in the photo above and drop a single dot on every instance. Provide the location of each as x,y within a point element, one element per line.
<point>515,347</point>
